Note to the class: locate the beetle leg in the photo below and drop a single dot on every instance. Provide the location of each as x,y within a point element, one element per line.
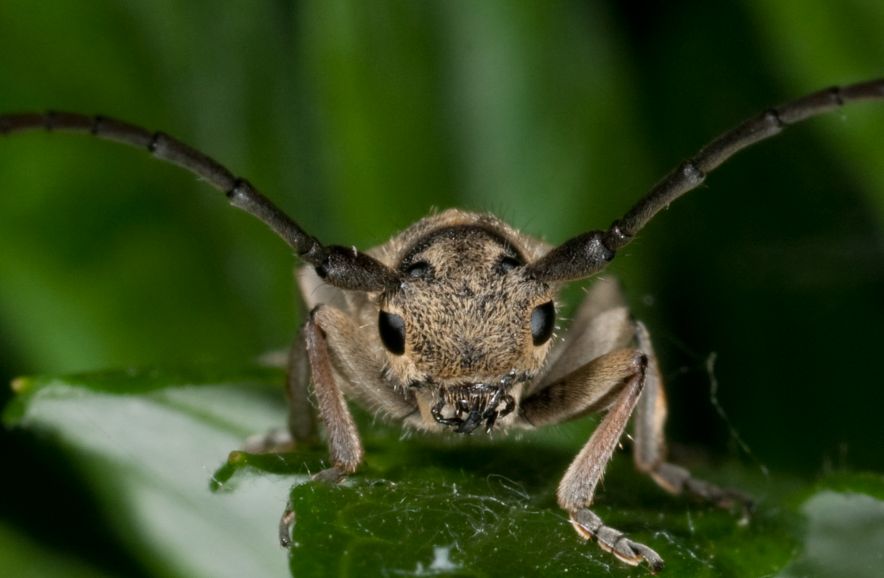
<point>588,389</point>
<point>650,444</point>
<point>302,421</point>
<point>614,382</point>
<point>286,523</point>
<point>302,415</point>
<point>577,488</point>
<point>344,446</point>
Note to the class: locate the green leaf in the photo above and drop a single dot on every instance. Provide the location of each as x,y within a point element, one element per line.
<point>479,522</point>
<point>431,506</point>
<point>357,119</point>
<point>149,442</point>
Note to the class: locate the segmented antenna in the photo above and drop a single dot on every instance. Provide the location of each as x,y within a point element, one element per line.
<point>340,266</point>
<point>590,252</point>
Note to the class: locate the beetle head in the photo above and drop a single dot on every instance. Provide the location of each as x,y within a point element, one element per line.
<point>466,314</point>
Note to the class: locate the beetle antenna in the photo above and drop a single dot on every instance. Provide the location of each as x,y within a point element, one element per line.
<point>340,266</point>
<point>590,252</point>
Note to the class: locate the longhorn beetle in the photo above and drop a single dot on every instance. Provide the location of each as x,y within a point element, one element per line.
<point>449,325</point>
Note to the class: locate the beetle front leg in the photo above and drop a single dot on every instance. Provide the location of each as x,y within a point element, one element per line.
<point>650,444</point>
<point>344,446</point>
<point>614,382</point>
<point>577,487</point>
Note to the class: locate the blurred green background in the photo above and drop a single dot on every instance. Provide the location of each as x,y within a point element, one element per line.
<point>358,118</point>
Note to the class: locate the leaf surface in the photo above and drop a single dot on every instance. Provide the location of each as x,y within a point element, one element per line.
<point>157,445</point>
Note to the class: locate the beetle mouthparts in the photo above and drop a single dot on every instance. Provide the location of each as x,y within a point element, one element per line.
<point>474,404</point>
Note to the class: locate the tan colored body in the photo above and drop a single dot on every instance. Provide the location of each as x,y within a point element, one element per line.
<point>471,324</point>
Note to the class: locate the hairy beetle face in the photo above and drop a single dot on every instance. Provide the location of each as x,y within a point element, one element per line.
<point>466,313</point>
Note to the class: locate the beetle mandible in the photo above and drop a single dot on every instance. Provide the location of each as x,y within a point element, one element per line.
<point>449,326</point>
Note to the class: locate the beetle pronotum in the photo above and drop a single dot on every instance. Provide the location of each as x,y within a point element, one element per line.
<point>448,326</point>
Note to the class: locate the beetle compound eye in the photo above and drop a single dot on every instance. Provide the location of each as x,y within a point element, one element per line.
<point>543,321</point>
<point>392,330</point>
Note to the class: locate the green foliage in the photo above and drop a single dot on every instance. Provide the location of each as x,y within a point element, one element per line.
<point>147,442</point>
<point>358,118</point>
<point>424,506</point>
